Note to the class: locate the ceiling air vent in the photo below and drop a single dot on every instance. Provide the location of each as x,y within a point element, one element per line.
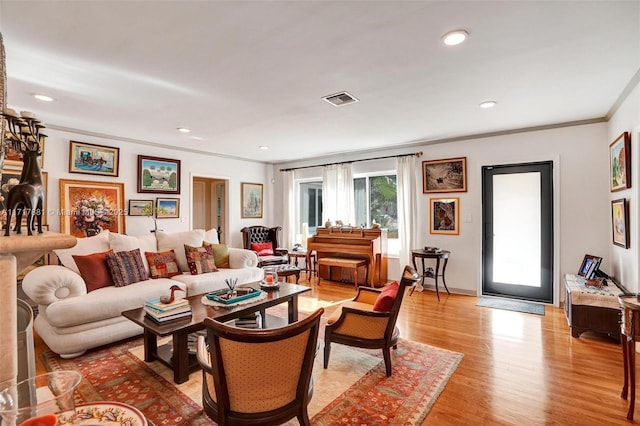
<point>339,99</point>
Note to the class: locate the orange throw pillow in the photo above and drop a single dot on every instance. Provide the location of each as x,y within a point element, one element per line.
<point>162,264</point>
<point>94,270</point>
<point>385,299</point>
<point>263,249</point>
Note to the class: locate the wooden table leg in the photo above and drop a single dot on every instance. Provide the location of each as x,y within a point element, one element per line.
<point>631,355</point>
<point>150,346</point>
<point>444,268</point>
<point>435,277</point>
<point>625,361</point>
<point>180,357</point>
<point>293,308</point>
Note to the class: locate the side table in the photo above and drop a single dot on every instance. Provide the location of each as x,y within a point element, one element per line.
<point>310,261</point>
<point>629,335</point>
<point>426,273</point>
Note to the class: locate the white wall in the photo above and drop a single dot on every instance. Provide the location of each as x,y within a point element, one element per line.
<point>624,262</point>
<point>56,163</point>
<point>580,187</point>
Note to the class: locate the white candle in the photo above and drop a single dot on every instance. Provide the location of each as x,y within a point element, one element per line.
<point>27,114</point>
<point>10,112</point>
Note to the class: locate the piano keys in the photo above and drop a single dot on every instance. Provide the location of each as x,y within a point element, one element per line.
<point>351,242</point>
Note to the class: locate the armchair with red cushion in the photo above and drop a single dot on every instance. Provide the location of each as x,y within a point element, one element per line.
<point>264,241</point>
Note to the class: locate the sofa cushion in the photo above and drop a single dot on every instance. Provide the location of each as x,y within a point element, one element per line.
<point>211,236</point>
<point>96,244</point>
<point>220,255</point>
<point>94,270</point>
<point>204,283</point>
<point>121,242</point>
<point>177,241</point>
<point>106,303</point>
<point>162,264</point>
<point>385,299</point>
<point>263,249</point>
<point>126,267</point>
<point>200,259</point>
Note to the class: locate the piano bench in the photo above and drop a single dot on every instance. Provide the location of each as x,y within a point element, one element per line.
<point>345,262</point>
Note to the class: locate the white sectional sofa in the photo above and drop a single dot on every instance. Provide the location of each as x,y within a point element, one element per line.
<point>73,318</point>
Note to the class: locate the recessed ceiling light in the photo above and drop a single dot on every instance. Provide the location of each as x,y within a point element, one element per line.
<point>487,104</point>
<point>453,38</point>
<point>264,147</point>
<point>184,130</point>
<point>43,97</point>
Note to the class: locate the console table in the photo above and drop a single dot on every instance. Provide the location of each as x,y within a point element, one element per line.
<point>16,253</point>
<point>630,334</point>
<point>423,254</point>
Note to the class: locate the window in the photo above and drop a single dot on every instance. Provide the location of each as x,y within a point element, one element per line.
<point>376,199</point>
<point>311,205</point>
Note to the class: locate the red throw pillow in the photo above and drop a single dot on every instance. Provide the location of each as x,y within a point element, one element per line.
<point>94,270</point>
<point>385,299</point>
<point>162,264</point>
<point>263,249</point>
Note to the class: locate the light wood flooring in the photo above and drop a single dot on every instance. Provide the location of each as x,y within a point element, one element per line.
<point>518,369</point>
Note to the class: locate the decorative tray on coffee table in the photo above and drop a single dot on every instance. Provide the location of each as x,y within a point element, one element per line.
<point>226,297</point>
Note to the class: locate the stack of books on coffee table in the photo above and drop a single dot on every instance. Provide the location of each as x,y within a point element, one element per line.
<point>163,312</point>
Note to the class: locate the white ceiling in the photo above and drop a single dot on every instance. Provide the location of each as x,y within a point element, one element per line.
<point>247,73</point>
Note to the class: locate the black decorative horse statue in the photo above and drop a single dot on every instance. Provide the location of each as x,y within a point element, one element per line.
<point>28,195</point>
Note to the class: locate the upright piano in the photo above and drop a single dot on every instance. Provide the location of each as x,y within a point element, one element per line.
<point>351,242</point>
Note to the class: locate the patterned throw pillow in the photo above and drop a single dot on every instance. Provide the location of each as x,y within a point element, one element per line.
<point>263,249</point>
<point>162,264</point>
<point>126,267</point>
<point>200,259</point>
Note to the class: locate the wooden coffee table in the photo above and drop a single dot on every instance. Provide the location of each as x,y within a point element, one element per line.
<point>176,356</point>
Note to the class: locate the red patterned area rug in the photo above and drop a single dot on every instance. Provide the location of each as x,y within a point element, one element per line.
<point>353,390</point>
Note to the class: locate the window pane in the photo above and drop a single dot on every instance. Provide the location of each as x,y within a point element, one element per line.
<point>360,192</point>
<point>383,205</point>
<point>310,205</point>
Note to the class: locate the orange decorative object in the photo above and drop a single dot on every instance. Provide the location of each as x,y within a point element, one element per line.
<point>269,279</point>
<point>45,420</point>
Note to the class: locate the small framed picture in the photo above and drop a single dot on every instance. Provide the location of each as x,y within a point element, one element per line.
<point>93,159</point>
<point>620,163</point>
<point>444,216</point>
<point>448,175</point>
<point>251,200</point>
<point>167,208</point>
<point>138,207</point>
<point>590,265</point>
<point>620,222</point>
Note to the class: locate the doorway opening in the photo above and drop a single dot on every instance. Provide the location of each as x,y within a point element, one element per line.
<point>517,231</point>
<point>209,204</point>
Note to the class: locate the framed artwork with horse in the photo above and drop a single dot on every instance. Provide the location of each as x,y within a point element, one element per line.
<point>93,159</point>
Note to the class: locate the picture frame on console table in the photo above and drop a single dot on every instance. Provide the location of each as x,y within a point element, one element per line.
<point>251,200</point>
<point>620,222</point>
<point>444,216</point>
<point>620,163</point>
<point>158,175</point>
<point>93,159</point>
<point>88,207</point>
<point>589,266</point>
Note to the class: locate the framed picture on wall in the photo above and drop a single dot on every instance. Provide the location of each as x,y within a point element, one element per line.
<point>158,175</point>
<point>167,208</point>
<point>444,216</point>
<point>93,159</point>
<point>620,163</point>
<point>139,207</point>
<point>620,222</point>
<point>449,175</point>
<point>251,200</point>
<point>91,207</point>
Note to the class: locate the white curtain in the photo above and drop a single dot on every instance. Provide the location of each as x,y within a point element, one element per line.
<point>337,194</point>
<point>288,209</point>
<point>407,207</point>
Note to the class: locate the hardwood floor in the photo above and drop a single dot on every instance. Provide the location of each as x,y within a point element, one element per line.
<point>518,369</point>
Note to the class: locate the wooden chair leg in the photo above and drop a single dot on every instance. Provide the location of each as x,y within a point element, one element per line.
<point>303,418</point>
<point>625,361</point>
<point>386,353</point>
<point>327,352</point>
<point>631,354</point>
